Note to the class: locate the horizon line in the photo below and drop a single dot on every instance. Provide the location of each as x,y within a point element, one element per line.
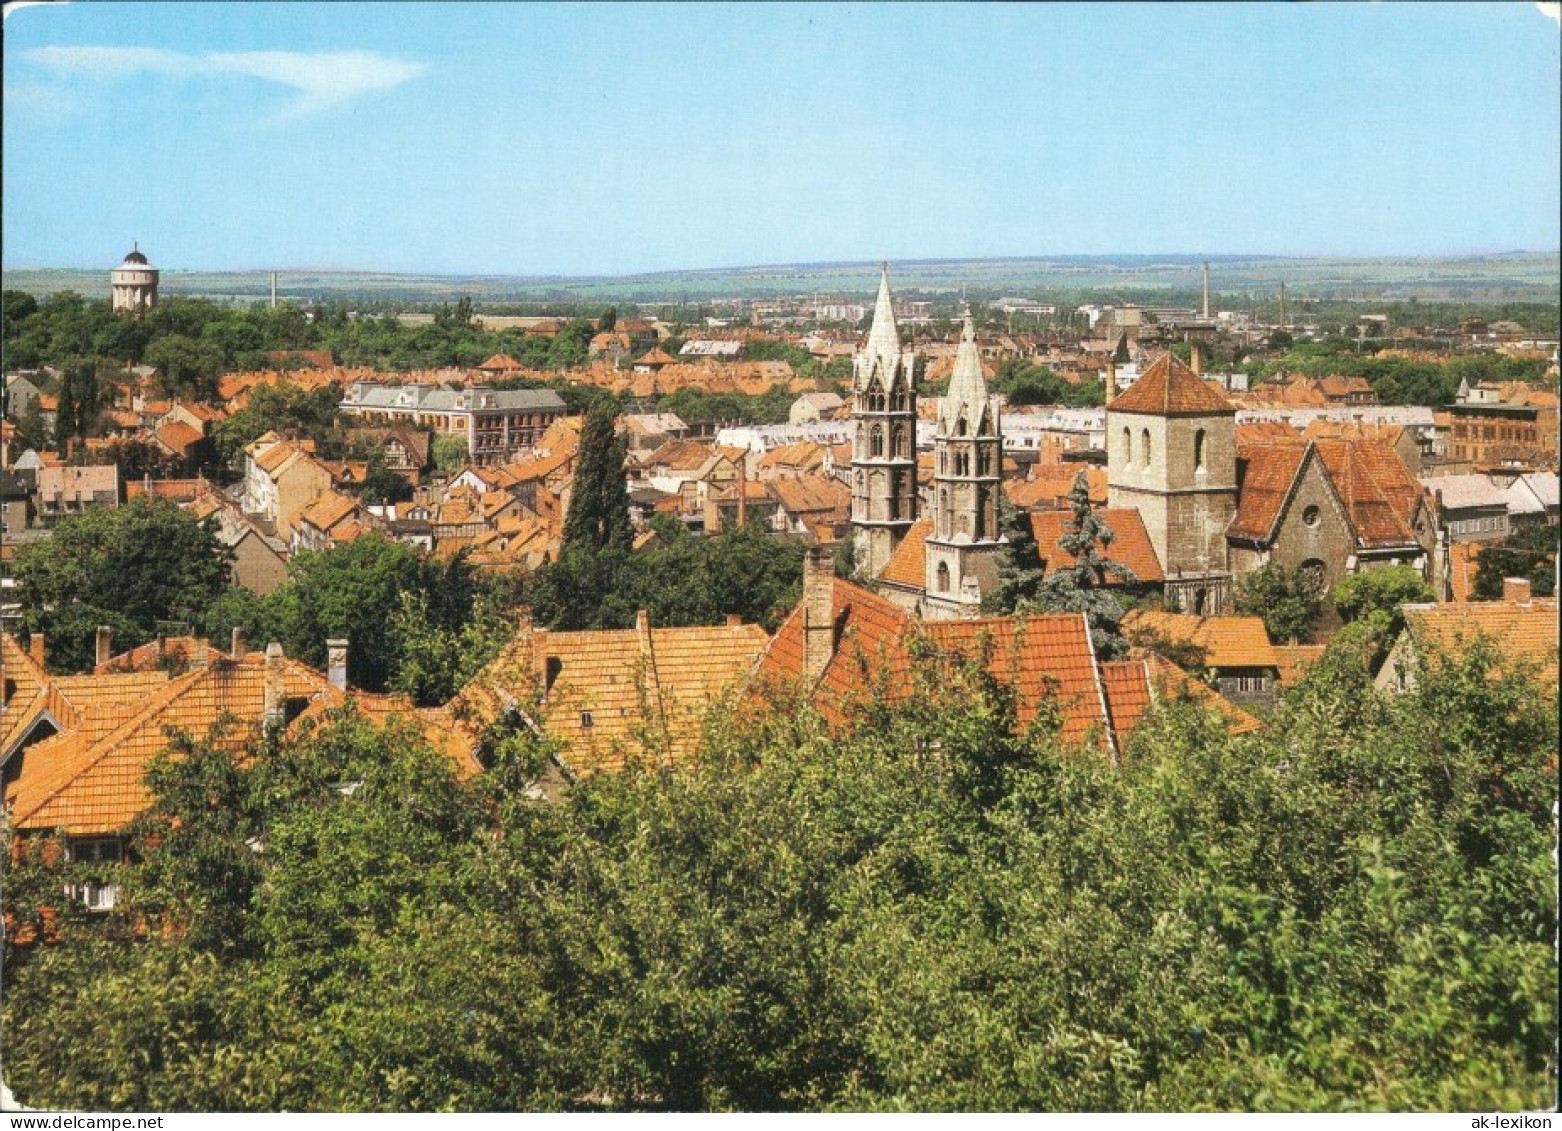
<point>816,264</point>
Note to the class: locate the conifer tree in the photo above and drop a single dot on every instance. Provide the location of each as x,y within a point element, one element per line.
<point>598,516</point>
<point>1081,586</point>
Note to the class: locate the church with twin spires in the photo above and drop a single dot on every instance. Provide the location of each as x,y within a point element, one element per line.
<point>938,565</point>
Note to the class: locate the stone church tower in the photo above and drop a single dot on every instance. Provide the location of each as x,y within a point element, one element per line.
<point>134,284</point>
<point>1172,456</point>
<point>963,548</point>
<point>884,448</point>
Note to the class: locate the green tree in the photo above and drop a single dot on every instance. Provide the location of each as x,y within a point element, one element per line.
<point>437,660</point>
<point>450,453</point>
<point>185,366</point>
<point>1019,562</point>
<point>598,517</point>
<point>1082,586</point>
<point>1375,596</point>
<point>1528,553</point>
<point>345,591</point>
<point>1290,601</point>
<point>129,568</point>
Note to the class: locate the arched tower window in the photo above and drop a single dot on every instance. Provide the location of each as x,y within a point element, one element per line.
<point>1128,447</point>
<point>941,577</point>
<point>960,425</point>
<point>1144,438</point>
<point>896,435</point>
<point>1198,450</point>
<point>876,441</point>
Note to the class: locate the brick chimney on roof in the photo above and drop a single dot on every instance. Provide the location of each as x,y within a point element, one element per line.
<point>35,647</point>
<point>336,662</point>
<point>238,644</point>
<point>818,612</point>
<point>1516,589</point>
<point>104,645</point>
<point>275,701</point>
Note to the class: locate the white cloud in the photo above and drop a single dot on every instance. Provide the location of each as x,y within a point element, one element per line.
<point>1552,11</point>
<point>321,79</point>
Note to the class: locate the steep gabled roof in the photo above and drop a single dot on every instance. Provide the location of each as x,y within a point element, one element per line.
<point>1045,659</point>
<point>907,566</point>
<point>614,694</point>
<point>1130,545</point>
<point>1267,482</point>
<point>1377,489</point>
<point>1170,388</point>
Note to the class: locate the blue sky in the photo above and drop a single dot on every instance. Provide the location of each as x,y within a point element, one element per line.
<point>581,139</point>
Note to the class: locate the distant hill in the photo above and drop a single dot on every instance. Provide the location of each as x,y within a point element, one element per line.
<point>1513,276</point>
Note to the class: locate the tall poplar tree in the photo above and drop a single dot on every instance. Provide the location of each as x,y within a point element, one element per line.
<point>598,516</point>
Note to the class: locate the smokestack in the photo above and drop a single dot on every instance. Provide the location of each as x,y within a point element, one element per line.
<point>1206,292</point>
<point>237,644</point>
<point>336,662</point>
<point>35,646</point>
<point>105,645</point>
<point>1282,305</point>
<point>275,702</point>
<point>273,290</point>
<point>818,612</point>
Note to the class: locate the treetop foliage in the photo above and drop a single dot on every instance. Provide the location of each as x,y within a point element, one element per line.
<point>928,910</point>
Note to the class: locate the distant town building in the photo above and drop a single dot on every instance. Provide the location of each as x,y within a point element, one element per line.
<point>496,424</point>
<point>134,284</point>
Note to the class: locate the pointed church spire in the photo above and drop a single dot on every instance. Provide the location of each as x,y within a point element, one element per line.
<point>884,337</point>
<point>967,384</point>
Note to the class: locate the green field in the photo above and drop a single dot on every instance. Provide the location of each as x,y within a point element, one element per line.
<point>1508,277</point>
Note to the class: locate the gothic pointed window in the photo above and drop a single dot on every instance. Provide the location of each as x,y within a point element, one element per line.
<point>942,577</point>
<point>876,441</point>
<point>1128,448</point>
<point>896,433</point>
<point>960,425</point>
<point>1144,439</point>
<point>1198,451</point>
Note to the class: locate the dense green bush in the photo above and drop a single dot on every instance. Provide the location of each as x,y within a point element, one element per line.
<point>928,910</point>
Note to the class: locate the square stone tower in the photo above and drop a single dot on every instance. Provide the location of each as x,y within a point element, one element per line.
<point>1172,456</point>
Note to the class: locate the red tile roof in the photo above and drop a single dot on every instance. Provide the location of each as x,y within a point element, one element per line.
<point>617,694</point>
<point>908,564</point>
<point>1050,484</point>
<point>1130,545</point>
<point>1266,484</point>
<point>1517,629</point>
<point>1044,659</point>
<point>1168,387</point>
<point>1228,642</point>
<point>1377,489</point>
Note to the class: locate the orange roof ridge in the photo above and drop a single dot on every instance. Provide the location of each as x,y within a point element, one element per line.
<point>1168,387</point>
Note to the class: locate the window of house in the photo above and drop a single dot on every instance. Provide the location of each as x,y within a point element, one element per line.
<point>586,721</point>
<point>942,577</point>
<point>1198,451</point>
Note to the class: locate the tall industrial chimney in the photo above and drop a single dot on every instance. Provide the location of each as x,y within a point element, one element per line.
<point>1206,292</point>
<point>273,290</point>
<point>1282,304</point>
